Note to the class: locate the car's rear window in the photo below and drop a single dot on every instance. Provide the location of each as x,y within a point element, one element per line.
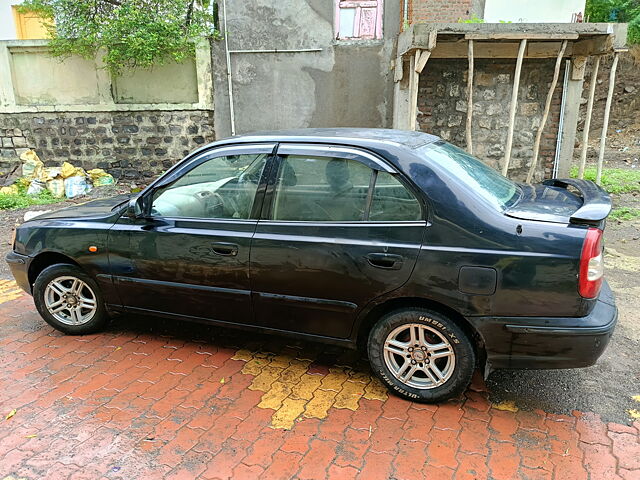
<point>490,184</point>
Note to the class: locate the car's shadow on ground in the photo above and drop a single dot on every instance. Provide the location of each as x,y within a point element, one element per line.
<point>238,339</point>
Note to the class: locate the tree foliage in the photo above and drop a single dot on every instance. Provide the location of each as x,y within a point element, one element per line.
<point>133,33</point>
<point>623,11</point>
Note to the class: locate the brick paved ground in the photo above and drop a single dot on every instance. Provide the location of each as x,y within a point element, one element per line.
<point>149,399</point>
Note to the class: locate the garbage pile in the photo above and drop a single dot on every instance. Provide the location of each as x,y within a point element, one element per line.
<point>65,181</point>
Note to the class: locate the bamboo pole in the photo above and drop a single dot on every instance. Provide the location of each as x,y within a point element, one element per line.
<point>545,114</point>
<point>469,100</point>
<point>587,120</point>
<point>605,121</point>
<point>512,107</point>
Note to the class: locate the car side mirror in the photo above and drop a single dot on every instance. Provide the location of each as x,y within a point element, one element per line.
<point>135,208</point>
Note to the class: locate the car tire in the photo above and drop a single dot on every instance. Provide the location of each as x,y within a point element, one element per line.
<point>402,354</point>
<point>69,300</point>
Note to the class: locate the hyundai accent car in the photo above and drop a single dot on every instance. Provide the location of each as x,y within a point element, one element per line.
<point>393,241</point>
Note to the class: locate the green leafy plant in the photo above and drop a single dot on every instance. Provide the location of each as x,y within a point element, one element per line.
<point>132,33</point>
<point>22,200</point>
<point>473,19</point>
<point>624,11</point>
<point>625,213</point>
<point>614,180</point>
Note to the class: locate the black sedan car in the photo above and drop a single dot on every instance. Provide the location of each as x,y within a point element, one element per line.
<point>394,241</point>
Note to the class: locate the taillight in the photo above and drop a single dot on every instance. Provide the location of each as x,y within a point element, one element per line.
<point>591,264</point>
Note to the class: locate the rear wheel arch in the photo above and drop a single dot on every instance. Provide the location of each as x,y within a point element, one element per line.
<point>377,312</point>
<point>44,260</point>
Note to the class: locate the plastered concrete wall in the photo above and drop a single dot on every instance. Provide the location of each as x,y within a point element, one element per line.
<point>343,84</point>
<point>442,107</point>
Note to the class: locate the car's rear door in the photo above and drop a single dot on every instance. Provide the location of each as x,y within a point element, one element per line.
<point>338,228</point>
<point>190,255</point>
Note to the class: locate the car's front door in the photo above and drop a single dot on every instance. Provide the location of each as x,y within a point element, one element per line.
<point>338,228</point>
<point>189,256</point>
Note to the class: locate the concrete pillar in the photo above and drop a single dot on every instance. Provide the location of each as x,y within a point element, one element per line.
<point>401,96</point>
<point>573,94</point>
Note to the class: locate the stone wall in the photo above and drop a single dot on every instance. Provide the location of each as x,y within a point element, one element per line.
<point>129,145</point>
<point>442,106</point>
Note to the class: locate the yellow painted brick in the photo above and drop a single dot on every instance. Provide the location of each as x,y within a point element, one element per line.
<point>292,373</point>
<point>305,388</point>
<point>274,397</point>
<point>376,390</point>
<point>320,404</point>
<point>254,366</point>
<point>361,377</point>
<point>244,355</point>
<point>334,380</point>
<point>286,415</point>
<point>265,379</point>
<point>349,396</point>
<point>280,361</point>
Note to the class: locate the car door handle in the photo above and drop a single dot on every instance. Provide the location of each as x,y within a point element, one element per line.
<point>225,249</point>
<point>385,260</point>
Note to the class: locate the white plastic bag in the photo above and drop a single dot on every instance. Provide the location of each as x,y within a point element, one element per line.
<point>75,186</point>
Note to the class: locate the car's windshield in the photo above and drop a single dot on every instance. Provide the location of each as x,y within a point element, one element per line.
<point>491,185</point>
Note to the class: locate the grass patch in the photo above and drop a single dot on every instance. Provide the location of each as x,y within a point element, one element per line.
<point>625,213</point>
<point>614,180</point>
<point>22,200</point>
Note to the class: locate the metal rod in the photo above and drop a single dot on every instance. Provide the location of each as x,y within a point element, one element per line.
<point>605,121</point>
<point>229,79</point>
<point>297,50</point>
<point>545,114</point>
<point>512,108</point>
<point>587,120</point>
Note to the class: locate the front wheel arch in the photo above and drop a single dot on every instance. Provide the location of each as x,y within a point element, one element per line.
<point>47,259</point>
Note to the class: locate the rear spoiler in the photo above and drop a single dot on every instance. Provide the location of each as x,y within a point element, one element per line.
<point>596,203</point>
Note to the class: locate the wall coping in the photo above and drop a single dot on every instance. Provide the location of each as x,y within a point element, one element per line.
<point>107,104</point>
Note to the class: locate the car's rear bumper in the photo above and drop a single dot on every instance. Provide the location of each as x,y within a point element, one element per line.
<point>19,265</point>
<point>549,342</point>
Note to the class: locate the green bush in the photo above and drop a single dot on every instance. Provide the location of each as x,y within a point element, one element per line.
<point>623,11</point>
<point>614,180</point>
<point>22,200</point>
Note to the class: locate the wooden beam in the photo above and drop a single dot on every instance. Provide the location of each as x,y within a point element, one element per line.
<point>545,114</point>
<point>458,49</point>
<point>600,45</point>
<point>587,120</point>
<point>512,107</point>
<point>469,100</point>
<point>521,36</point>
<point>605,121</point>
<point>422,60</point>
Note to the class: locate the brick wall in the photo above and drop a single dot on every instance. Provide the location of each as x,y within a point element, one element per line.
<point>448,11</point>
<point>133,145</point>
<point>442,106</point>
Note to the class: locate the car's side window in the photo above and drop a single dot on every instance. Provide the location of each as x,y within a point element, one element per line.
<point>221,187</point>
<point>392,201</point>
<point>330,189</point>
<point>312,188</point>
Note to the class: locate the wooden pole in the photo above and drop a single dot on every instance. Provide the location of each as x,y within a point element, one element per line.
<point>605,121</point>
<point>512,108</point>
<point>545,114</point>
<point>469,100</point>
<point>587,120</point>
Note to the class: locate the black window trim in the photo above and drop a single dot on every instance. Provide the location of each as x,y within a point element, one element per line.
<point>336,151</point>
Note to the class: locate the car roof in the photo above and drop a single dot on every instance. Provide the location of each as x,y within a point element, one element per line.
<point>363,137</point>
